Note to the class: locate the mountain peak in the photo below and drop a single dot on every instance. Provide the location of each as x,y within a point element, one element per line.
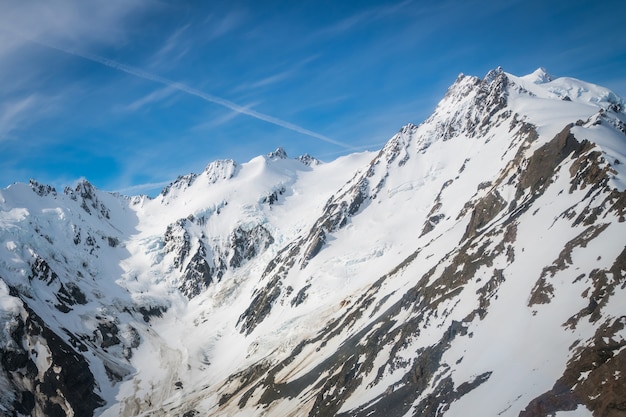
<point>539,76</point>
<point>279,153</point>
<point>308,160</point>
<point>493,75</point>
<point>542,85</point>
<point>83,189</point>
<point>221,170</point>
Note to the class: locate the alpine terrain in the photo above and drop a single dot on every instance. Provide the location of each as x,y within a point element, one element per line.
<point>474,266</point>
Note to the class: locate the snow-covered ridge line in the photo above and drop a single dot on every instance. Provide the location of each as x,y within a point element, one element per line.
<point>542,84</point>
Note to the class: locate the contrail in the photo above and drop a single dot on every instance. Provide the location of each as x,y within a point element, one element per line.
<point>194,92</point>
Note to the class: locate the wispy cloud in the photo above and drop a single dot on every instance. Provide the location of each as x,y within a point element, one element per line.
<point>220,25</point>
<point>220,120</point>
<point>272,79</point>
<point>266,81</point>
<point>155,96</point>
<point>23,70</point>
<point>14,113</point>
<point>70,22</point>
<point>293,70</point>
<point>194,92</point>
<point>142,188</point>
<point>185,38</point>
<point>173,48</point>
<point>366,16</point>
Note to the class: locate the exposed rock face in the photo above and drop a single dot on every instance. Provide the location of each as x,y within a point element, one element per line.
<point>89,201</point>
<point>592,378</point>
<point>183,181</point>
<point>246,244</point>
<point>544,161</point>
<point>308,160</point>
<point>177,241</point>
<point>279,153</point>
<point>198,274</point>
<point>209,263</point>
<point>484,211</point>
<point>48,377</point>
<point>42,189</point>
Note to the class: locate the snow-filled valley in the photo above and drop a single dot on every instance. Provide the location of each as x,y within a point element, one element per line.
<point>480,254</point>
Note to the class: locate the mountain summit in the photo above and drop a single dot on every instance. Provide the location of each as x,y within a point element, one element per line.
<point>478,255</point>
<point>539,76</point>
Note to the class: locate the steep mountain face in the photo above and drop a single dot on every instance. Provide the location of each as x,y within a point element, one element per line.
<point>478,255</point>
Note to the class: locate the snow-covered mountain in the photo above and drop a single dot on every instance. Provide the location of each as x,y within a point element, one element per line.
<point>476,265</point>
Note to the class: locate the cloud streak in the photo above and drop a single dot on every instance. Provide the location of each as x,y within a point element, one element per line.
<point>367,16</point>
<point>194,92</point>
<point>218,121</point>
<point>12,113</point>
<point>139,188</point>
<point>154,96</point>
<point>69,22</point>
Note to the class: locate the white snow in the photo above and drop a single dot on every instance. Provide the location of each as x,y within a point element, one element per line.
<point>580,411</point>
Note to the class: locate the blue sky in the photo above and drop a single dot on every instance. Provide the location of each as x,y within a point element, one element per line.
<point>132,93</point>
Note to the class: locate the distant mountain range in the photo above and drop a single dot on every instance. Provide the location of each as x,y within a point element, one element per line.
<point>474,266</point>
